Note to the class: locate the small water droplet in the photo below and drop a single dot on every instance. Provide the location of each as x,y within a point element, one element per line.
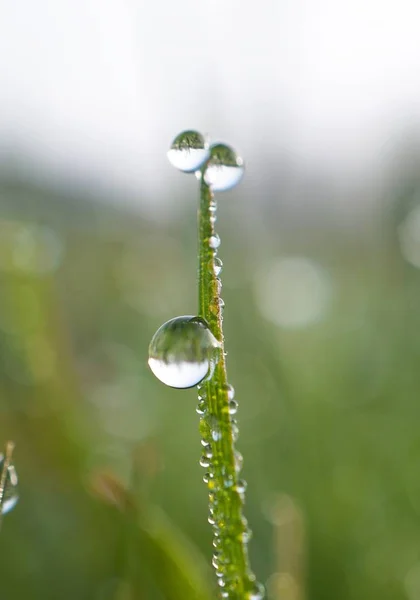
<point>201,407</point>
<point>204,461</point>
<point>233,407</point>
<point>10,497</point>
<point>216,433</point>
<point>224,169</point>
<point>206,477</point>
<point>230,391</point>
<point>257,592</point>
<point>214,241</point>
<point>239,459</point>
<point>183,351</point>
<point>241,486</point>
<point>221,303</point>
<point>218,265</point>
<point>235,431</point>
<point>228,481</point>
<point>188,151</point>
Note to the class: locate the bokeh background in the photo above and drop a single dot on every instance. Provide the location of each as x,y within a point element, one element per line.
<point>321,247</point>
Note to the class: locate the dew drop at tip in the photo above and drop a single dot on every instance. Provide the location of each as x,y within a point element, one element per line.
<point>188,151</point>
<point>224,169</point>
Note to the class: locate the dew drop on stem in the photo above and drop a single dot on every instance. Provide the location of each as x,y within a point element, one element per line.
<point>188,151</point>
<point>183,352</point>
<point>214,241</point>
<point>224,169</point>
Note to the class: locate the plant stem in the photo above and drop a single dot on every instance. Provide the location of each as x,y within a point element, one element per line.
<point>226,501</point>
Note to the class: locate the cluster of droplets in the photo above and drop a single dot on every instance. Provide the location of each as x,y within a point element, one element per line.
<point>226,493</point>
<point>183,353</point>
<point>219,164</point>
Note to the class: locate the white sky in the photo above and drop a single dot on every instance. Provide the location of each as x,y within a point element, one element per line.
<point>98,88</point>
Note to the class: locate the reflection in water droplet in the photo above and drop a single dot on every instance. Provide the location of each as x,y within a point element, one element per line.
<point>224,169</point>
<point>188,151</point>
<point>214,241</point>
<point>183,352</point>
<point>10,497</point>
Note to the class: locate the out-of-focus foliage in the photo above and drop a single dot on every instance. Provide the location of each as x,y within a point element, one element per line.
<point>322,326</point>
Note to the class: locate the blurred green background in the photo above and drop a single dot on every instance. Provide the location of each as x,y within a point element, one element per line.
<point>321,325</point>
<point>321,280</point>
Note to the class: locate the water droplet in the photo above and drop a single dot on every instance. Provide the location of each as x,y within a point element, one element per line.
<point>224,168</point>
<point>228,481</point>
<point>204,461</point>
<point>214,241</point>
<point>216,433</point>
<point>233,407</point>
<point>235,431</point>
<point>10,497</point>
<point>217,266</point>
<point>221,303</point>
<point>241,486</point>
<point>206,477</point>
<point>239,459</point>
<point>183,352</point>
<point>201,407</point>
<point>230,391</point>
<point>257,592</point>
<point>188,151</point>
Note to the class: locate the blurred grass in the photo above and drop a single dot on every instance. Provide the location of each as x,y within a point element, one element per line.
<point>328,413</point>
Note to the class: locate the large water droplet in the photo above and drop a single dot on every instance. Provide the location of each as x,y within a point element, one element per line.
<point>10,494</point>
<point>188,151</point>
<point>183,352</point>
<point>224,168</point>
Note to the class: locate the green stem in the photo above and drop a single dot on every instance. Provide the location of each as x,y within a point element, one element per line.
<point>226,502</point>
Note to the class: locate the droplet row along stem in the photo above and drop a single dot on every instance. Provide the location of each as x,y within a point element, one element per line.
<point>228,501</point>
